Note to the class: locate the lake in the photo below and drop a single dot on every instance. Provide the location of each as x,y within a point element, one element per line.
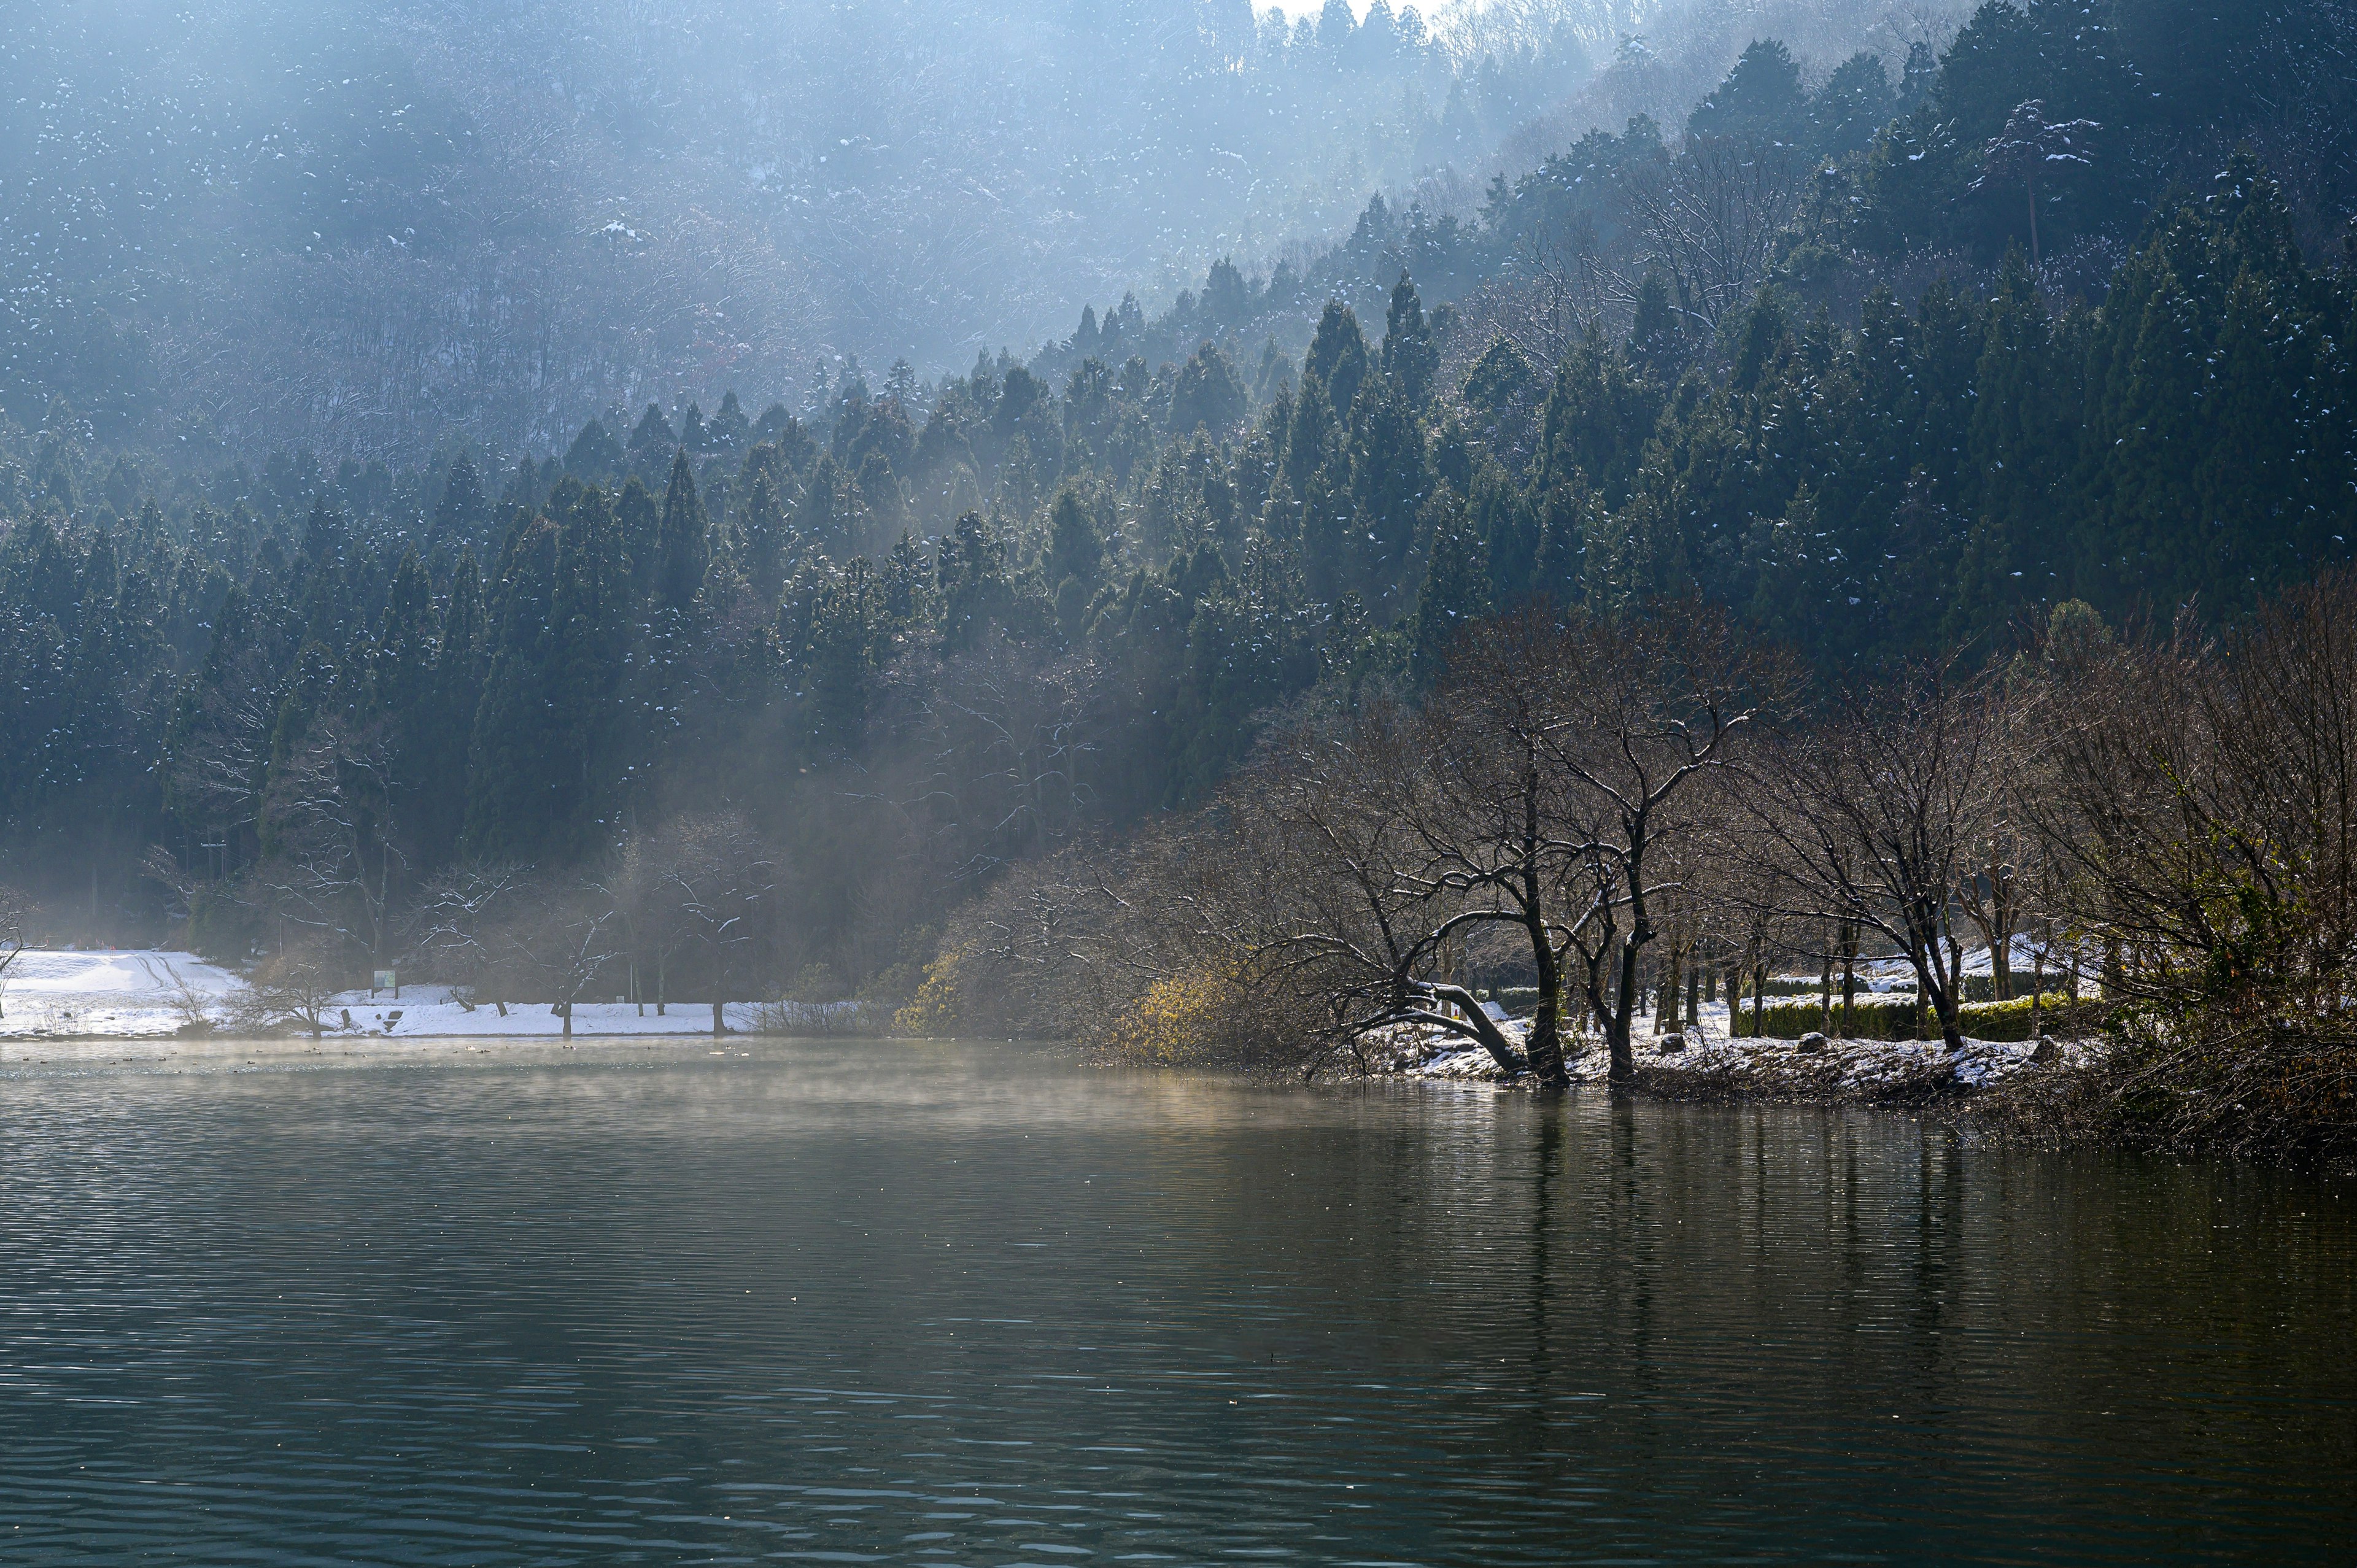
<point>980,1305</point>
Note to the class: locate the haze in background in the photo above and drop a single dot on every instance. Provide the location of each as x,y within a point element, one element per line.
<point>376,227</point>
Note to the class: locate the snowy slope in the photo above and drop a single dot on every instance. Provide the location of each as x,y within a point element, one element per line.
<point>130,994</point>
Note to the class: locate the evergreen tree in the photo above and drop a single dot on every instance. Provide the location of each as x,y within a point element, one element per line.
<point>1409,357</point>
<point>464,511</point>
<point>1337,357</point>
<point>1656,340</point>
<point>516,759</point>
<point>764,537</point>
<point>594,456</point>
<point>682,545</point>
<point>638,518</point>
<point>1207,397</point>
<point>1456,590</point>
<point>438,742</point>
<point>652,439</point>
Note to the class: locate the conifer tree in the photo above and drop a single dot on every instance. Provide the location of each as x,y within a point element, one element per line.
<point>1656,341</point>
<point>462,513</point>
<point>763,538</point>
<point>593,455</point>
<point>1389,485</point>
<point>1409,357</point>
<point>1338,358</point>
<point>682,544</point>
<point>1456,590</point>
<point>1207,396</point>
<point>517,754</point>
<point>638,518</point>
<point>439,742</point>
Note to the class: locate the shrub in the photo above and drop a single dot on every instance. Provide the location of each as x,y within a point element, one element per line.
<point>934,1009</point>
<point>1180,1020</point>
<point>1883,1016</point>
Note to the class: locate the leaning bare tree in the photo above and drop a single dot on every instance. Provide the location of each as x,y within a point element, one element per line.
<point>1372,881</point>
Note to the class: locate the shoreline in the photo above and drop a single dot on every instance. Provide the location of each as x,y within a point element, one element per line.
<point>1701,1067</point>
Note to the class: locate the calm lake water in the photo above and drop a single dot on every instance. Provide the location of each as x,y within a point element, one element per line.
<point>978,1304</point>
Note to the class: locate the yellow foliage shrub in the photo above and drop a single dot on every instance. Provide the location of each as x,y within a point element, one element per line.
<point>1186,1018</point>
<point>935,1008</point>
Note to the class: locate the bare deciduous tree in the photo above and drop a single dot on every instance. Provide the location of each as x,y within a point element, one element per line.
<point>338,854</point>
<point>299,986</point>
<point>1873,812</point>
<point>1710,220</point>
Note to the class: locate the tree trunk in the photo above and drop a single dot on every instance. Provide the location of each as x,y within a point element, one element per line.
<point>1485,1029</point>
<point>663,964</point>
<point>718,1029</point>
<point>1544,1042</point>
<point>1952,1033</point>
<point>1665,1017</point>
<point>2036,990</point>
<point>1938,996</point>
<point>1544,1045</point>
<point>1849,977</point>
<point>1624,1013</point>
<point>567,1010</point>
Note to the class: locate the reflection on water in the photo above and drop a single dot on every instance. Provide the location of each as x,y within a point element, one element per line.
<point>868,1302</point>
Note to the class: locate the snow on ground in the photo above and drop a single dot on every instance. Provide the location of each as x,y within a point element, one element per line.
<point>149,995</point>
<point>128,993</point>
<point>1706,1056</point>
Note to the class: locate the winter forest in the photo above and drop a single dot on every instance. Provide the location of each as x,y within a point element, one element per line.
<point>1220,533</point>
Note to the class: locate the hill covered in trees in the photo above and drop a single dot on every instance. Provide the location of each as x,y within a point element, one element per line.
<point>837,662</point>
<point>369,229</point>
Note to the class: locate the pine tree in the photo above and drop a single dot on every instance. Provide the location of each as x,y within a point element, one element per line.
<point>439,739</point>
<point>1207,397</point>
<point>1075,552</point>
<point>463,513</point>
<point>1389,484</point>
<point>595,454</point>
<point>653,438</point>
<point>1456,590</point>
<point>1409,357</point>
<point>763,534</point>
<point>682,545</point>
<point>1337,357</point>
<point>513,790</point>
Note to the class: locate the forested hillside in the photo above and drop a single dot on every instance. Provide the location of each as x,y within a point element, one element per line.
<point>371,229</point>
<point>835,661</point>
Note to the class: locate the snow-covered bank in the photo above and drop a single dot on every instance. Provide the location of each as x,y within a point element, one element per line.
<point>54,995</point>
<point>1704,1061</point>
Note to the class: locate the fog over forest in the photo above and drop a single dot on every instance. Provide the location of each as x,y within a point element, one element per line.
<point>371,226</point>
<point>1217,534</point>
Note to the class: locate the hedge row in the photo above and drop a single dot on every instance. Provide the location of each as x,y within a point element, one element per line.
<point>1889,1018</point>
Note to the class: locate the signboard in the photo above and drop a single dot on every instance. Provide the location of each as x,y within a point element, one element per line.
<point>386,980</point>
